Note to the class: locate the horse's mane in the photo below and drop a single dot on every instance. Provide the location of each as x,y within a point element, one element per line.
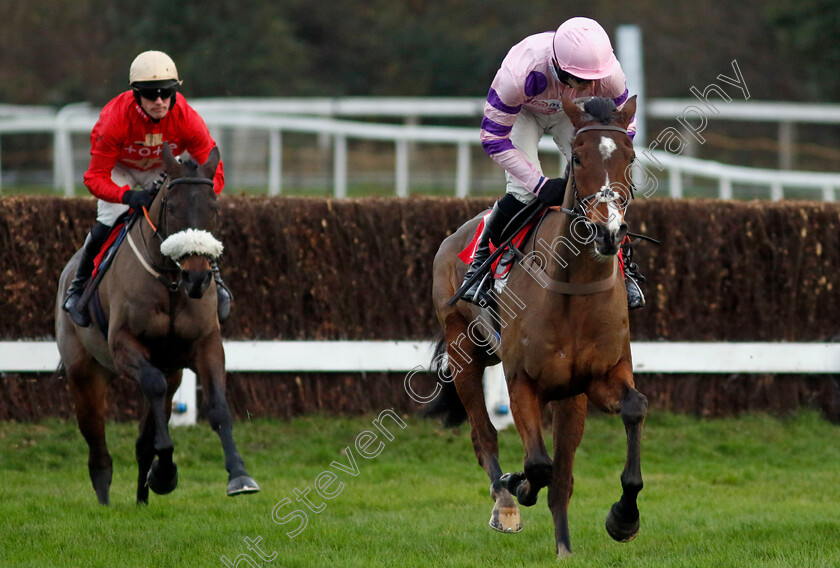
<point>600,109</point>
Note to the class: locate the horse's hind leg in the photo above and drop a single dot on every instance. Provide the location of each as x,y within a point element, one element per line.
<point>89,385</point>
<point>569,418</point>
<point>614,394</point>
<point>466,365</point>
<point>210,370</point>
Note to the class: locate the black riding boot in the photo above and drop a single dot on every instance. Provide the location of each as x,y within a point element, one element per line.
<point>223,294</point>
<point>632,279</point>
<point>93,243</point>
<point>503,211</point>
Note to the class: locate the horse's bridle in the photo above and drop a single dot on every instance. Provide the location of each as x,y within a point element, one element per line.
<point>606,195</point>
<point>176,181</point>
<point>160,229</point>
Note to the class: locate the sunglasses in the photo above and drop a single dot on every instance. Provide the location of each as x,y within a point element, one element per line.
<point>152,93</point>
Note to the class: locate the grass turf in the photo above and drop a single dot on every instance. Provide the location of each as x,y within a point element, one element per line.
<point>752,491</point>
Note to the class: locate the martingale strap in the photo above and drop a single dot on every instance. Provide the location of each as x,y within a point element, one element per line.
<point>575,288</point>
<point>169,284</point>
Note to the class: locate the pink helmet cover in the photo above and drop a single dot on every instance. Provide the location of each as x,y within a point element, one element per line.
<point>583,49</point>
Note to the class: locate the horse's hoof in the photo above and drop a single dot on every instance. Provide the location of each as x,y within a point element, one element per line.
<point>101,480</point>
<point>505,516</point>
<point>242,485</point>
<point>563,552</point>
<point>161,483</point>
<point>620,529</point>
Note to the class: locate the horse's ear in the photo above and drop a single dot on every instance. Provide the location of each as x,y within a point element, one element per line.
<point>170,163</point>
<point>208,168</point>
<point>624,116</point>
<point>572,111</point>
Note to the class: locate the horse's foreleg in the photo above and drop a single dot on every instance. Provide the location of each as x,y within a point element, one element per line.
<point>145,446</point>
<point>623,519</point>
<point>90,395</point>
<point>132,359</point>
<point>210,370</point>
<point>569,418</point>
<point>526,406</point>
<point>144,450</point>
<point>617,393</point>
<point>466,367</point>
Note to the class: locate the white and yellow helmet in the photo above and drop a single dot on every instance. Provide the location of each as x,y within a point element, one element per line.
<point>153,69</point>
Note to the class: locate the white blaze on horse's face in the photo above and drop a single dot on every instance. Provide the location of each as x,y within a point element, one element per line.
<point>614,214</point>
<point>607,147</point>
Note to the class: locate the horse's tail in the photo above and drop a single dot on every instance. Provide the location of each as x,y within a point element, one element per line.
<point>447,404</point>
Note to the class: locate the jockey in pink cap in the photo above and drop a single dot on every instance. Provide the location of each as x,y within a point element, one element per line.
<point>523,104</point>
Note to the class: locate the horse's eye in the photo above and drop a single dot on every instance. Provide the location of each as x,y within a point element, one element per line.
<point>576,159</point>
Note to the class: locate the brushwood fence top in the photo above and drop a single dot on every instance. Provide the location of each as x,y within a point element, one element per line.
<point>329,119</point>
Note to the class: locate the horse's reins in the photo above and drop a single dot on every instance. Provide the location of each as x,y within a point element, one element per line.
<point>531,212</point>
<point>606,195</point>
<point>170,285</point>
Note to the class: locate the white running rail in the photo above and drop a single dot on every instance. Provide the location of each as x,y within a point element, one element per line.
<point>407,356</point>
<point>317,116</point>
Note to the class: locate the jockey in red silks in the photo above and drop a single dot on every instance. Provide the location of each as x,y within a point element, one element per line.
<point>125,149</point>
<point>523,104</point>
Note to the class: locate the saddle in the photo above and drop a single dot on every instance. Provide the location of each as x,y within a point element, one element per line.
<point>502,265</point>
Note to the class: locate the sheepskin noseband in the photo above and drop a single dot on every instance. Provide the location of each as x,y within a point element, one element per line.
<point>191,242</point>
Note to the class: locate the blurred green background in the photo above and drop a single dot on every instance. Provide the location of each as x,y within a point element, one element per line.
<point>57,52</point>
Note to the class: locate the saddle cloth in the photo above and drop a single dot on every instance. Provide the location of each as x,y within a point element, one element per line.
<point>106,246</point>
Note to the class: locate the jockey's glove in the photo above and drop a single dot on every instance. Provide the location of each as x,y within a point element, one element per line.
<point>552,191</point>
<point>138,199</point>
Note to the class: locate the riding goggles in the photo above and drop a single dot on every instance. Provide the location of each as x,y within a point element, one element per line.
<point>152,93</point>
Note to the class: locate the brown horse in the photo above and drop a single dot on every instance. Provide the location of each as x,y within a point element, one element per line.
<point>560,328</point>
<point>158,303</point>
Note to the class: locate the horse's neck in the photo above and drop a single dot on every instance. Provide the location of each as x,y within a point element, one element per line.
<point>571,257</point>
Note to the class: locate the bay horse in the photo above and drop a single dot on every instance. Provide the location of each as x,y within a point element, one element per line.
<point>158,303</point>
<point>559,327</point>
